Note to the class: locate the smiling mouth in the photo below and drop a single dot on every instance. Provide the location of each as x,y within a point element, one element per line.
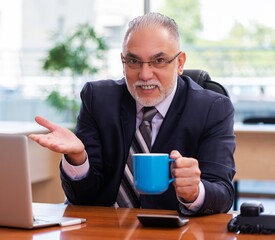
<point>148,87</point>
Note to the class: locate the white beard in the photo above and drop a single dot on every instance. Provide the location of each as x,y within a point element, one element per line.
<point>147,102</point>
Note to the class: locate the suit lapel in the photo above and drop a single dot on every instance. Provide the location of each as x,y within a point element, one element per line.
<point>172,116</point>
<point>128,121</point>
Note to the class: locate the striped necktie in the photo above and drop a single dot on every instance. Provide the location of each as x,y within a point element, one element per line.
<point>128,196</point>
<point>143,135</point>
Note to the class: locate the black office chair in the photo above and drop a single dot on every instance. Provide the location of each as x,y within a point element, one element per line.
<point>203,79</point>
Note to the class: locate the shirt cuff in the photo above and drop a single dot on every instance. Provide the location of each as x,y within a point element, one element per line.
<point>196,205</point>
<point>75,172</point>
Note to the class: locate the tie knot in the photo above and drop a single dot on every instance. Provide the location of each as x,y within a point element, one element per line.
<point>149,113</point>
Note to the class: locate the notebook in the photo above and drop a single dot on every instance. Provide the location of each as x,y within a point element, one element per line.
<point>16,207</point>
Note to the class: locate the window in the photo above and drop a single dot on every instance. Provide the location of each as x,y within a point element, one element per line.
<point>233,40</point>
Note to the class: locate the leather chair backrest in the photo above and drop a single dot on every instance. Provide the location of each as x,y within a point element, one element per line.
<point>202,78</point>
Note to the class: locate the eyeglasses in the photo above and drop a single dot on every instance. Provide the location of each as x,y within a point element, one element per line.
<point>159,62</point>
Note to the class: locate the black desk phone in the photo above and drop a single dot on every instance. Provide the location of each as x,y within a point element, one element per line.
<point>252,219</point>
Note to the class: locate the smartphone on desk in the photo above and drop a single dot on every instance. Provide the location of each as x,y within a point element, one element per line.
<point>162,220</point>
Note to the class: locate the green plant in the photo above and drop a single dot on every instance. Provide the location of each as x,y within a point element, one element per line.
<point>77,54</point>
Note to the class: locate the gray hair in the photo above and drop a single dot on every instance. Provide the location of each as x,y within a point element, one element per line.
<point>155,20</point>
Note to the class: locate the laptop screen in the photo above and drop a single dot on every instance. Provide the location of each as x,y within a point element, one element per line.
<point>15,184</point>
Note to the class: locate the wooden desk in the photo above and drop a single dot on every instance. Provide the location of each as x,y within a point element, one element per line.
<point>111,223</point>
<point>254,155</point>
<point>255,151</point>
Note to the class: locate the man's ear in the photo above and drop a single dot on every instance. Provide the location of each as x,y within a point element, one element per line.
<point>181,62</point>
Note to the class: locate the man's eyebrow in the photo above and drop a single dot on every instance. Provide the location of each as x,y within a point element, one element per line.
<point>132,55</point>
<point>160,54</point>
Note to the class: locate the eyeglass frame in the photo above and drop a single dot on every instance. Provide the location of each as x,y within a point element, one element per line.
<point>150,63</point>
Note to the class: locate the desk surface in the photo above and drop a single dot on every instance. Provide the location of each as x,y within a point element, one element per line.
<point>255,152</point>
<point>254,128</point>
<point>111,223</point>
<point>21,127</point>
<point>13,127</point>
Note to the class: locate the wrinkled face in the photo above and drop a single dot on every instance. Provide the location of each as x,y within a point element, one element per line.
<point>151,83</point>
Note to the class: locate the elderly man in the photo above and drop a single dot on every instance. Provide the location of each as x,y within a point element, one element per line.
<point>193,125</point>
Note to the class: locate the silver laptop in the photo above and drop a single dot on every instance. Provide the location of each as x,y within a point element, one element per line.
<point>16,207</point>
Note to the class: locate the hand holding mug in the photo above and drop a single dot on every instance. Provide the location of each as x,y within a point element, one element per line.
<point>187,176</point>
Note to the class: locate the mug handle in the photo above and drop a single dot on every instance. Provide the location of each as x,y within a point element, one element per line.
<point>172,179</point>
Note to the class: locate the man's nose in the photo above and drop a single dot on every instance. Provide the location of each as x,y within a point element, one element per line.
<point>145,71</point>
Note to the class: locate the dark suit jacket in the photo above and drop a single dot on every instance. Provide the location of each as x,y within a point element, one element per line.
<point>199,124</point>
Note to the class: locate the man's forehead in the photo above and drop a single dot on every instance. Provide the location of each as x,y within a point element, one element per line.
<point>149,43</point>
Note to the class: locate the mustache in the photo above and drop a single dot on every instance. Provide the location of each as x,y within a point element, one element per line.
<point>139,83</point>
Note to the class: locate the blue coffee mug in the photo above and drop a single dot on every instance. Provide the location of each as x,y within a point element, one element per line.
<point>151,172</point>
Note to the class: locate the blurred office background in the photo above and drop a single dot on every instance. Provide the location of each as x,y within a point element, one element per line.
<point>233,40</point>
